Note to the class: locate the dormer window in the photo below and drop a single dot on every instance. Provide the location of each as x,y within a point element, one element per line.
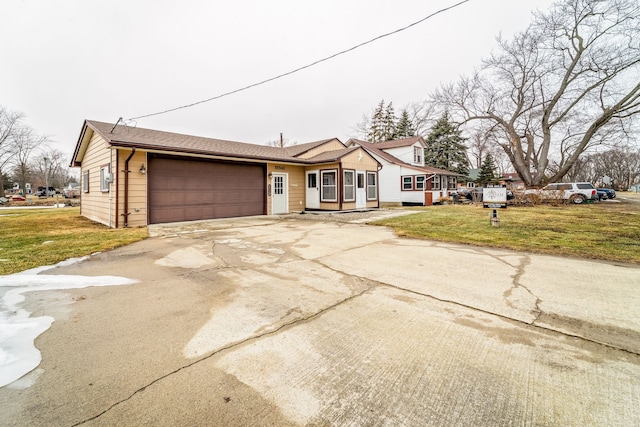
<point>417,155</point>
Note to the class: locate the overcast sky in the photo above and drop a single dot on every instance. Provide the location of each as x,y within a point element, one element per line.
<point>68,60</point>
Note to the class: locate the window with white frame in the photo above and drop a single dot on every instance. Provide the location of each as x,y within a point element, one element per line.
<point>85,181</point>
<point>407,183</point>
<point>349,186</point>
<point>471,184</point>
<point>105,178</point>
<point>452,182</point>
<point>435,182</point>
<point>420,181</point>
<point>372,186</point>
<point>328,187</point>
<point>417,155</point>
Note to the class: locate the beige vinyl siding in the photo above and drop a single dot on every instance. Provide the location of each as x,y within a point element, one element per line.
<point>295,185</point>
<point>97,205</point>
<point>360,160</point>
<point>137,189</point>
<point>332,145</point>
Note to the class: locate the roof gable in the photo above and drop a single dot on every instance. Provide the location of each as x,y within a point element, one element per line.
<point>376,151</point>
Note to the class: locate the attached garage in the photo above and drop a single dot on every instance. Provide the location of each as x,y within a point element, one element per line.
<point>192,189</point>
<point>133,177</point>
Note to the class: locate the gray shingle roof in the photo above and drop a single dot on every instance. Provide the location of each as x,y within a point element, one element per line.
<point>377,149</point>
<point>149,139</point>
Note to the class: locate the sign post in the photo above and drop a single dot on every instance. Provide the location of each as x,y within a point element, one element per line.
<point>494,197</point>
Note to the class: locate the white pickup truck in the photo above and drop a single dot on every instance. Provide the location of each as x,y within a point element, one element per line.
<point>568,192</point>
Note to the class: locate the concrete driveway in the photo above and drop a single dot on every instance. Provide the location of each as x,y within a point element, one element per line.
<point>281,321</point>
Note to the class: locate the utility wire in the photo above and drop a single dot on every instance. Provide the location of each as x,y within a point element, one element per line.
<point>305,66</point>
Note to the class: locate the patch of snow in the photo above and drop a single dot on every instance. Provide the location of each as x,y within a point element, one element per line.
<point>18,331</point>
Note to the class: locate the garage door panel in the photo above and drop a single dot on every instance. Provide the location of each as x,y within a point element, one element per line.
<point>185,190</point>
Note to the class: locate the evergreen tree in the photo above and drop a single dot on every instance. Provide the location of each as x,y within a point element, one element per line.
<point>487,175</point>
<point>389,127</point>
<point>404,127</point>
<point>376,128</point>
<point>383,123</point>
<point>445,147</point>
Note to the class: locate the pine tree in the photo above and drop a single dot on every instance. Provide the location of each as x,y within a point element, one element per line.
<point>376,129</point>
<point>389,127</point>
<point>445,147</point>
<point>487,175</point>
<point>383,123</point>
<point>404,127</point>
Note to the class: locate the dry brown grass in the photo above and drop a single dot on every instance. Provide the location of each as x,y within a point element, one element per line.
<point>35,237</point>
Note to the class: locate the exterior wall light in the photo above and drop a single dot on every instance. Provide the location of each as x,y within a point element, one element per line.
<point>143,170</point>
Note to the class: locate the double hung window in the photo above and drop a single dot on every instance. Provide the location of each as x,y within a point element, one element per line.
<point>349,186</point>
<point>372,186</point>
<point>328,189</point>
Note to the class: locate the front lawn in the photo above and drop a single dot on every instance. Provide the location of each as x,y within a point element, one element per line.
<point>35,237</point>
<point>606,231</point>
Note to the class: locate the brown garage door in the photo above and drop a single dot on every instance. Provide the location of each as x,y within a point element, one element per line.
<point>186,190</point>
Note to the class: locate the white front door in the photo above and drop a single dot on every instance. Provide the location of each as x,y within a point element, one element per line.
<point>313,190</point>
<point>361,190</point>
<point>279,194</point>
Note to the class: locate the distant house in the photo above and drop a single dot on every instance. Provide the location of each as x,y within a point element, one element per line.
<point>16,189</point>
<point>512,181</point>
<point>135,176</point>
<point>405,179</point>
<point>469,181</point>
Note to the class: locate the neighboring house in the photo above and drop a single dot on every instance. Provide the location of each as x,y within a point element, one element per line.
<point>405,179</point>
<point>512,181</point>
<point>469,181</point>
<point>16,189</point>
<point>134,176</point>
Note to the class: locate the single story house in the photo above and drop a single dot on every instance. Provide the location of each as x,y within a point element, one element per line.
<point>132,176</point>
<point>405,179</point>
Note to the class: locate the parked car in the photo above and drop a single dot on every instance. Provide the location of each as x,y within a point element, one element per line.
<point>611,194</point>
<point>43,193</point>
<point>602,195</point>
<point>18,198</point>
<point>71,192</point>
<point>567,192</point>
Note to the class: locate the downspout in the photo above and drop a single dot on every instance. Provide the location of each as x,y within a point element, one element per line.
<point>340,189</point>
<point>110,188</point>
<point>126,188</point>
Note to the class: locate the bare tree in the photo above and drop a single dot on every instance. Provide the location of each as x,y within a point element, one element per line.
<point>50,166</point>
<point>423,116</point>
<point>10,123</point>
<point>25,142</point>
<point>568,83</point>
<point>282,142</point>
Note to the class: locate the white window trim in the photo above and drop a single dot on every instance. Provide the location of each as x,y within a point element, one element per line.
<point>374,186</point>
<point>353,185</point>
<point>435,182</point>
<point>418,152</point>
<point>452,182</point>
<point>104,178</point>
<point>85,181</point>
<point>335,185</point>
<point>417,183</point>
<point>402,183</point>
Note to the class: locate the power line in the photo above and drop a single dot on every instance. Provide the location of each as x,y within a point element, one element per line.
<point>305,66</point>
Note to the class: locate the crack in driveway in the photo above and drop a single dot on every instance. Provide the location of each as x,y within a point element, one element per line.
<point>236,344</point>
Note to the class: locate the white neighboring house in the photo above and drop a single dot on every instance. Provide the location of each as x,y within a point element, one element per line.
<point>405,179</point>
